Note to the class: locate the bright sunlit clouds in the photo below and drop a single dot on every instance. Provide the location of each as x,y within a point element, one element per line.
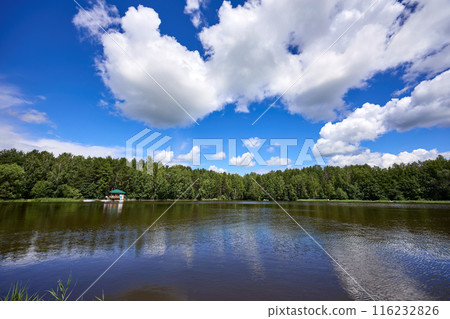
<point>310,54</point>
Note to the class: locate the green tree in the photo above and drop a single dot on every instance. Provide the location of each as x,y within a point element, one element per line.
<point>12,181</point>
<point>66,191</point>
<point>341,194</point>
<point>42,189</point>
<point>40,174</point>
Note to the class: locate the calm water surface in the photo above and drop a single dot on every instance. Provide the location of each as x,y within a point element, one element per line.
<point>229,250</point>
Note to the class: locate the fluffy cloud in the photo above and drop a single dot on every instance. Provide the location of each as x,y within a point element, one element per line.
<point>427,106</point>
<point>193,9</point>
<point>99,17</point>
<point>245,160</point>
<point>189,157</point>
<point>11,139</point>
<point>366,123</point>
<point>253,142</point>
<point>214,168</point>
<point>260,49</point>
<point>163,156</point>
<point>147,72</point>
<point>385,159</point>
<point>431,64</point>
<point>218,156</point>
<point>249,48</point>
<point>278,161</point>
<point>194,155</point>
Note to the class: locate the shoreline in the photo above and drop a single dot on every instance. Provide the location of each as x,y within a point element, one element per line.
<point>71,200</point>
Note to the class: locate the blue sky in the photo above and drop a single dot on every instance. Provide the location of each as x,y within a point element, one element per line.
<point>66,87</point>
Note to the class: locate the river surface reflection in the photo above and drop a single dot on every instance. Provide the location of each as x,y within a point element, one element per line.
<point>229,250</point>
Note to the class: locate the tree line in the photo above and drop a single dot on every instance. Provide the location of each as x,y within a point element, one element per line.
<point>42,175</point>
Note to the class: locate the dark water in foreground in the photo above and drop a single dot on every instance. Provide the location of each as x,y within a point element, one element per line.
<point>229,250</point>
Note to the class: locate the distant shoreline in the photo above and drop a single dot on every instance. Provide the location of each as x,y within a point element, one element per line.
<point>71,200</point>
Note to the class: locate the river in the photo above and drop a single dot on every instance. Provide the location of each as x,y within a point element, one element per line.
<point>211,250</point>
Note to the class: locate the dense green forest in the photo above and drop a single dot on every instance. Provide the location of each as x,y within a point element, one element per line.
<point>42,175</point>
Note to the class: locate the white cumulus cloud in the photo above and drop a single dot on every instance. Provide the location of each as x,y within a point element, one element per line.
<point>278,161</point>
<point>99,17</point>
<point>427,106</point>
<point>193,9</point>
<point>253,142</point>
<point>259,49</point>
<point>384,160</point>
<point>194,156</point>
<point>189,157</point>
<point>245,160</point>
<point>163,156</point>
<point>11,139</point>
<point>142,67</point>
<point>218,156</point>
<point>214,168</point>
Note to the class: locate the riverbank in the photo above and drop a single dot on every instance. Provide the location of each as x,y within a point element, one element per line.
<point>35,200</point>
<point>58,200</point>
<point>376,201</point>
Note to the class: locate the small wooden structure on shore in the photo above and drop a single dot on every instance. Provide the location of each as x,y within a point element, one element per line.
<point>116,194</point>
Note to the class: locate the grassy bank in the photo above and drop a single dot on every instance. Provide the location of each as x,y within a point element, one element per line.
<point>57,200</point>
<point>71,200</point>
<point>35,200</point>
<point>20,292</point>
<point>376,201</point>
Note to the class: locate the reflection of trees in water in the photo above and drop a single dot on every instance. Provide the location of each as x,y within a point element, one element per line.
<point>394,253</point>
<point>41,230</point>
<point>386,216</point>
<point>35,231</point>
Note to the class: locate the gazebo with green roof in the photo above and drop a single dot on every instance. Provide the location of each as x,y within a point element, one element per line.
<point>117,194</point>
